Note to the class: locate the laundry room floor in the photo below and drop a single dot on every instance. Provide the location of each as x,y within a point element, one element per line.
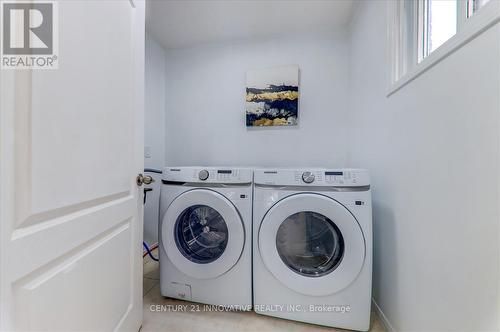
<point>157,320</point>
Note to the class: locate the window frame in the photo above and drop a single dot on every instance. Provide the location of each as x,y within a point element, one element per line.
<point>405,37</point>
<point>471,6</point>
<point>463,13</point>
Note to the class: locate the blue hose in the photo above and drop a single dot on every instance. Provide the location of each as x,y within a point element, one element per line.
<point>149,251</point>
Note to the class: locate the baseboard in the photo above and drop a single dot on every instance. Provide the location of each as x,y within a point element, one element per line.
<point>383,317</point>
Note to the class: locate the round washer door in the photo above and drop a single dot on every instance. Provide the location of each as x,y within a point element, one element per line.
<point>312,244</point>
<point>203,233</point>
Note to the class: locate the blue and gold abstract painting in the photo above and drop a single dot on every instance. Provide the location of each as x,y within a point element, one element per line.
<point>272,96</point>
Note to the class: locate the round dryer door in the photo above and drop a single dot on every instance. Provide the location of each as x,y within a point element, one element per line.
<point>203,233</point>
<point>312,244</point>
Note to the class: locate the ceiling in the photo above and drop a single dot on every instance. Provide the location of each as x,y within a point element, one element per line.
<point>186,23</point>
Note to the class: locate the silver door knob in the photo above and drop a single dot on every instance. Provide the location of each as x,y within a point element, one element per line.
<point>308,177</point>
<point>144,179</point>
<point>203,175</point>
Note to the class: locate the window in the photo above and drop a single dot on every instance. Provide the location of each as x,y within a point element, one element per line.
<point>310,244</point>
<point>437,24</point>
<point>201,234</point>
<point>421,32</point>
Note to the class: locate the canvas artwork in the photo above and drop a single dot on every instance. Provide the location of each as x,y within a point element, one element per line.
<point>272,97</point>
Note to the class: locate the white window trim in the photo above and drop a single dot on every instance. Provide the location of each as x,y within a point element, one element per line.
<point>485,18</point>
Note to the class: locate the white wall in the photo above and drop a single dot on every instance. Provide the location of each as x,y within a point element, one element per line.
<point>154,121</point>
<point>155,104</point>
<point>433,153</point>
<point>205,104</point>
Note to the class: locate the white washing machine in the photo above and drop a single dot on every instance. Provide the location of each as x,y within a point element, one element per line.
<point>312,242</point>
<point>205,235</point>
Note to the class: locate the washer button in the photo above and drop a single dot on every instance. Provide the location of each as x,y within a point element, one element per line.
<point>203,175</point>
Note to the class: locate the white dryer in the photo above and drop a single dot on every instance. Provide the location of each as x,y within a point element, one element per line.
<point>205,235</point>
<point>312,236</point>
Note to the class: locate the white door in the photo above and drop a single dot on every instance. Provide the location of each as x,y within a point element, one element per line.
<point>71,147</point>
<point>312,244</point>
<point>203,234</point>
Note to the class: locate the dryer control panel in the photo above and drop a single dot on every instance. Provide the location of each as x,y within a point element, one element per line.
<point>208,175</point>
<point>313,177</point>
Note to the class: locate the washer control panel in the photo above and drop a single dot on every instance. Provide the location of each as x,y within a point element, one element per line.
<point>308,176</point>
<point>313,177</point>
<point>208,175</point>
<point>218,175</point>
<point>340,178</point>
<point>226,174</point>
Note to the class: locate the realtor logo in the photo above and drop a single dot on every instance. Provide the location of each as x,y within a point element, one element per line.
<point>29,34</point>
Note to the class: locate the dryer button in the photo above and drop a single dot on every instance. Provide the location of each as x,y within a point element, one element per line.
<point>308,177</point>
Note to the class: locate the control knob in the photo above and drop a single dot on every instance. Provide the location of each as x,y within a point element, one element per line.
<point>203,175</point>
<point>308,177</point>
